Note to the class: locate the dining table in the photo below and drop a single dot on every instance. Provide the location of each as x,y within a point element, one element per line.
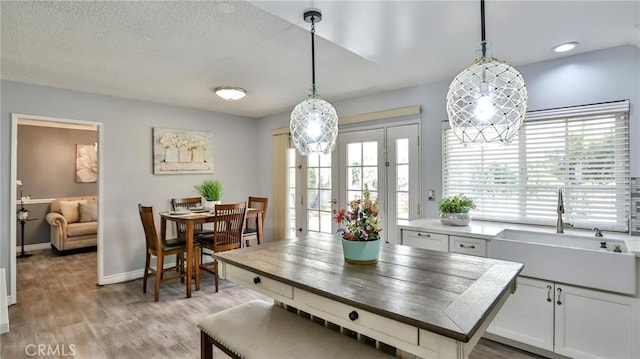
<point>189,219</point>
<point>427,303</point>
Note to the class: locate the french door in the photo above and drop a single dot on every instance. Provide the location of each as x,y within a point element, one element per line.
<point>385,159</point>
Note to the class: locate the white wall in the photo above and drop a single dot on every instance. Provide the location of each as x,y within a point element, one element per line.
<point>599,76</point>
<point>128,172</point>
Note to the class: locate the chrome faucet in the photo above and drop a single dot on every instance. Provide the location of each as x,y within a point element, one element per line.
<point>559,224</point>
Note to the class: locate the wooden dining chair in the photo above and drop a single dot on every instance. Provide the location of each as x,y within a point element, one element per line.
<point>251,228</point>
<point>159,248</point>
<point>188,203</point>
<point>227,234</point>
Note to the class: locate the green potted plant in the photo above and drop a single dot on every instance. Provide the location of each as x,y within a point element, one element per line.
<point>454,211</point>
<point>211,191</point>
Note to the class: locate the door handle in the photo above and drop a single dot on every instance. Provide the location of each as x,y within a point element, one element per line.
<point>424,235</point>
<point>333,201</point>
<point>559,302</point>
<point>549,289</point>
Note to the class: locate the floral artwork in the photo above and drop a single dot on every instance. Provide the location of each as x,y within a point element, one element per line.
<point>361,219</point>
<point>182,151</point>
<point>86,163</point>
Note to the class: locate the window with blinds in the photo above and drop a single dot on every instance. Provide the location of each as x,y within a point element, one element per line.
<point>583,150</point>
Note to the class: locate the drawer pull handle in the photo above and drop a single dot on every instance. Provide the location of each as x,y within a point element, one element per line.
<point>466,246</point>
<point>353,315</point>
<point>549,293</point>
<point>256,280</point>
<point>424,235</point>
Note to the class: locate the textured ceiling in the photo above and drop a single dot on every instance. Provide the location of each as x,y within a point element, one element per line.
<point>177,52</point>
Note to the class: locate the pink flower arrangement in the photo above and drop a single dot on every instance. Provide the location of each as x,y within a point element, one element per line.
<point>361,219</point>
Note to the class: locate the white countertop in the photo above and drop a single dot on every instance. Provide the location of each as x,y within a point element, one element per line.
<point>487,230</point>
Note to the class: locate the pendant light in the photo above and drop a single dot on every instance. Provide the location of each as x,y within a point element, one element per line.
<point>487,101</point>
<point>314,121</point>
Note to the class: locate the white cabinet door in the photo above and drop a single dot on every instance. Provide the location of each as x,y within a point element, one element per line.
<point>594,324</point>
<point>426,240</point>
<point>527,316</point>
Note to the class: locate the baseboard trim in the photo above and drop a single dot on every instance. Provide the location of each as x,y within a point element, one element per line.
<point>34,247</point>
<point>136,274</point>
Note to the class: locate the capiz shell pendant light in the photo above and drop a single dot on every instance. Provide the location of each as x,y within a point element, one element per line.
<point>487,101</point>
<point>314,121</point>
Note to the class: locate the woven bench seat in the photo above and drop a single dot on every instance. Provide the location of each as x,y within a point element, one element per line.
<point>258,329</point>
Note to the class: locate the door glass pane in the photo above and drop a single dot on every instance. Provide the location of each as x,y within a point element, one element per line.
<point>325,178</point>
<point>313,200</point>
<point>291,205</point>
<point>312,177</point>
<point>371,178</point>
<point>325,200</point>
<point>313,160</point>
<point>402,146</point>
<point>325,160</point>
<point>319,206</point>
<point>325,222</point>
<point>354,154</point>
<point>354,180</point>
<point>313,222</point>
<point>403,205</point>
<point>402,178</point>
<point>370,153</point>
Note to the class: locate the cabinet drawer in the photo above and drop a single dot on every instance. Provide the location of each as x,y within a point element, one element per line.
<point>257,282</point>
<point>467,245</point>
<point>426,240</point>
<point>363,322</point>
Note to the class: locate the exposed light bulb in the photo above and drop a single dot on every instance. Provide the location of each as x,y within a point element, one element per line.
<point>484,109</point>
<point>314,128</point>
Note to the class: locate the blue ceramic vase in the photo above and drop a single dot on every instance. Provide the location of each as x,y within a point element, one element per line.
<point>361,252</point>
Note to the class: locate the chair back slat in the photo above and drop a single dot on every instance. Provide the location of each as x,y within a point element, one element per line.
<point>150,233</point>
<point>229,225</point>
<point>261,203</point>
<point>186,203</point>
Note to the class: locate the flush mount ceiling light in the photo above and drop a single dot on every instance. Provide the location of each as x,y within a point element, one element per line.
<point>487,101</point>
<point>230,93</point>
<point>568,46</point>
<point>314,121</point>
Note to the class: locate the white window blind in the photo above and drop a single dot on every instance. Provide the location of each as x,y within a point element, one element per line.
<point>583,150</point>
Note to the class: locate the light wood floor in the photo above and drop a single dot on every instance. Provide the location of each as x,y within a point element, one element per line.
<point>60,307</point>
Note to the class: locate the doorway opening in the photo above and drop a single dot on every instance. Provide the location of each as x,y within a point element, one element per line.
<point>16,203</point>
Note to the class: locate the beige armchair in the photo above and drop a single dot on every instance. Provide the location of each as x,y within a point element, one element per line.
<point>74,222</point>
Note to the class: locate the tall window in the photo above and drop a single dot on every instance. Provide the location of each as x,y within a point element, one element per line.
<point>583,150</point>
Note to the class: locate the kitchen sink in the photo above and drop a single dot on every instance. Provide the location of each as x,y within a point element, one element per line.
<point>570,259</point>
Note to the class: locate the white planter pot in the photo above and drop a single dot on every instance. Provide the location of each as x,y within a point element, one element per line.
<point>210,205</point>
<point>455,219</point>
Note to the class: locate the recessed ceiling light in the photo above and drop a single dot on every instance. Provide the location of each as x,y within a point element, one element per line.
<point>230,93</point>
<point>568,46</point>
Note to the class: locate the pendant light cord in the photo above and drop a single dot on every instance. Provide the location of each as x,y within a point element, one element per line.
<point>313,55</point>
<point>483,42</point>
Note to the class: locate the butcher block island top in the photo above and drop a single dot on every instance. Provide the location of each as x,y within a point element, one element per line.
<point>449,294</point>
